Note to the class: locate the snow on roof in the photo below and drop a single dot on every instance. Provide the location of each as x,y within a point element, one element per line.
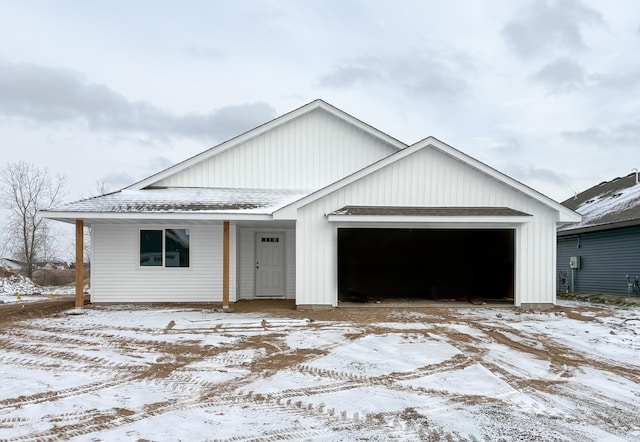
<point>607,203</point>
<point>428,211</point>
<point>187,200</point>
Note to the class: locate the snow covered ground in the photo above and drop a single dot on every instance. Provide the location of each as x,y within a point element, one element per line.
<point>17,288</point>
<point>149,373</point>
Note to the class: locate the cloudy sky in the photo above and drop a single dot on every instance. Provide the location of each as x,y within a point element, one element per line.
<point>113,91</point>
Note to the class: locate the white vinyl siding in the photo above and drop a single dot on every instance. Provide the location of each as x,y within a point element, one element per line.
<point>425,178</point>
<point>309,152</point>
<point>246,261</point>
<point>117,276</point>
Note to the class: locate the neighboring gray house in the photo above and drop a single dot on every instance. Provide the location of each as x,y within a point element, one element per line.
<point>597,254</point>
<point>319,207</point>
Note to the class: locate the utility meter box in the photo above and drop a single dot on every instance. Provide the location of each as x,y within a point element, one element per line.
<point>574,262</point>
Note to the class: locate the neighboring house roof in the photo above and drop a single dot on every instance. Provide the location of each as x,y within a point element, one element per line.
<point>565,214</point>
<point>284,119</point>
<point>607,205</point>
<point>208,202</point>
<point>11,263</point>
<point>60,265</point>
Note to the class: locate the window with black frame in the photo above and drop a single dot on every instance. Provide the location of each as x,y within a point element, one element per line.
<point>168,248</point>
<point>176,248</point>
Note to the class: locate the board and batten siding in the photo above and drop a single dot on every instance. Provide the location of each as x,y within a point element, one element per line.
<point>117,276</point>
<point>606,258</point>
<point>308,152</point>
<point>426,178</point>
<point>247,261</point>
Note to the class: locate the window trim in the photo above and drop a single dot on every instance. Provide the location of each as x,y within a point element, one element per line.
<point>163,247</point>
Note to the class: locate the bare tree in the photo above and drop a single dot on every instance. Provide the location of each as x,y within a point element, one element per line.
<point>26,189</point>
<point>102,188</point>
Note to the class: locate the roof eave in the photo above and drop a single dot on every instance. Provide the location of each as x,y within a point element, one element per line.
<point>71,217</point>
<point>599,227</point>
<point>564,214</point>
<point>428,219</point>
<point>569,218</point>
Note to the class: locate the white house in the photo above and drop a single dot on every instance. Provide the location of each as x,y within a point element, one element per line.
<point>319,207</point>
<point>11,264</point>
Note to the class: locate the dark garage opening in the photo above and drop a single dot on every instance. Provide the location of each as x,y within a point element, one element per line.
<point>431,264</point>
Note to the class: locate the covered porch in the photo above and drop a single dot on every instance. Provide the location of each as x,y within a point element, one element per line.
<point>185,245</point>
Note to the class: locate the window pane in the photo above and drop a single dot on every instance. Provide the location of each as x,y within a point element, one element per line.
<point>150,247</point>
<point>176,248</point>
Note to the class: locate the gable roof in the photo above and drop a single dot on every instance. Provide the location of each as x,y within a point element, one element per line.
<point>309,107</point>
<point>565,214</point>
<point>610,204</point>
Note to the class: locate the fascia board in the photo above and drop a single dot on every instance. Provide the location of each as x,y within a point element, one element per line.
<point>598,227</point>
<point>72,216</point>
<point>565,214</point>
<point>220,148</point>
<point>270,125</point>
<point>569,217</point>
<point>429,219</point>
<point>434,225</point>
<point>374,132</point>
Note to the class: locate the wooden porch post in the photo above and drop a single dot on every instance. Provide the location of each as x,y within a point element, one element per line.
<point>79,263</point>
<point>225,266</point>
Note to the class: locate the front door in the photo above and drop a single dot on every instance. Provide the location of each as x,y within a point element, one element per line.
<point>270,264</point>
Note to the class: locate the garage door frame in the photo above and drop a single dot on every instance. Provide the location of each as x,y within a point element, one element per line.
<point>462,224</point>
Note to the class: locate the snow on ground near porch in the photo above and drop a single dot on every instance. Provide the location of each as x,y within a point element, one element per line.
<point>17,288</point>
<point>141,373</point>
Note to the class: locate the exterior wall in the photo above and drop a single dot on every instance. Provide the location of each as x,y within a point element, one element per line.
<point>247,261</point>
<point>117,277</point>
<point>309,152</point>
<point>606,257</point>
<point>425,178</point>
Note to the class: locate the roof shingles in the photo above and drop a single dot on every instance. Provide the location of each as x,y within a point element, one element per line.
<point>427,211</point>
<point>180,200</point>
<point>606,204</point>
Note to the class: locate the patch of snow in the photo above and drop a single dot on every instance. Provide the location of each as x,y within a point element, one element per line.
<point>376,355</point>
<point>18,285</point>
<point>472,380</point>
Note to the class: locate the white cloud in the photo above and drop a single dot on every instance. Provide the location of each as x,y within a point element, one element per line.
<point>534,174</point>
<point>610,137</point>
<point>620,81</point>
<point>56,95</point>
<point>434,73</point>
<point>561,76</point>
<point>550,25</point>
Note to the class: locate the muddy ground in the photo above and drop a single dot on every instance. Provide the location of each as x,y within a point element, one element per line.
<point>546,386</point>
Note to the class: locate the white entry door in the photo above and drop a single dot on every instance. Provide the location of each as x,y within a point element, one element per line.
<point>270,264</point>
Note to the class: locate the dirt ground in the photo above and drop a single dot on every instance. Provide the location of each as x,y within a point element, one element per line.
<point>36,336</point>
